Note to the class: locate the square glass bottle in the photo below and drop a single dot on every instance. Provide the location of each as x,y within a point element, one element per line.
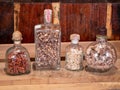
<point>47,44</point>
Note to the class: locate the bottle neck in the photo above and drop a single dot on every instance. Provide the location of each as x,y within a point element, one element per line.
<point>101,38</point>
<point>75,41</point>
<point>47,19</point>
<point>17,43</point>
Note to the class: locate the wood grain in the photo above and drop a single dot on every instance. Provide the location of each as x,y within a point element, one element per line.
<point>74,18</point>
<point>56,13</point>
<point>6,1</point>
<point>30,15</point>
<point>64,1</point>
<point>16,16</point>
<point>6,22</point>
<point>83,19</point>
<point>78,86</point>
<point>116,21</point>
<point>108,80</point>
<point>61,79</point>
<point>108,21</point>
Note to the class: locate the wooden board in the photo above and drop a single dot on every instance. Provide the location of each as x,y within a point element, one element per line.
<point>69,1</point>
<point>6,22</point>
<point>61,79</point>
<point>81,18</point>
<point>115,21</point>
<point>62,76</point>
<point>78,86</point>
<point>30,15</point>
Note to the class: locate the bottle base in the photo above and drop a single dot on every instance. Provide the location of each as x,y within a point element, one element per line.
<point>90,69</point>
<point>70,69</point>
<point>37,67</point>
<point>16,74</point>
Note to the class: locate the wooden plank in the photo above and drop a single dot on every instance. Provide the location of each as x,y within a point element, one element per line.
<point>61,76</point>
<point>30,15</point>
<point>16,16</point>
<point>108,21</point>
<point>83,19</point>
<point>6,1</point>
<point>78,86</point>
<point>56,13</point>
<point>116,21</point>
<point>61,79</point>
<point>85,1</point>
<point>74,17</point>
<point>6,22</point>
<point>31,48</point>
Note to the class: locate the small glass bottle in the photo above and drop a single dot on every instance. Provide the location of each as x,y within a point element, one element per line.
<point>17,57</point>
<point>47,44</point>
<point>74,54</point>
<point>100,55</point>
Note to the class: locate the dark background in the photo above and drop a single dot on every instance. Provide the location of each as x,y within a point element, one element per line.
<point>76,16</point>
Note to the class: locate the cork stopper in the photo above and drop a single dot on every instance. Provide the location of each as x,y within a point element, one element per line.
<point>47,12</point>
<point>16,35</point>
<point>74,36</point>
<point>102,31</point>
<point>47,16</point>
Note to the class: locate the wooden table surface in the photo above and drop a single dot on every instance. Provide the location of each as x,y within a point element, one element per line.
<point>63,79</point>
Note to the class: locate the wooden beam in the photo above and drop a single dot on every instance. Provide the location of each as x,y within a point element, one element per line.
<point>62,79</point>
<point>108,20</point>
<point>78,86</point>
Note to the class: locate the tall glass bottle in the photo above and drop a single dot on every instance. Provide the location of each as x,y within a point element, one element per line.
<point>17,57</point>
<point>47,44</point>
<point>74,54</point>
<point>100,55</point>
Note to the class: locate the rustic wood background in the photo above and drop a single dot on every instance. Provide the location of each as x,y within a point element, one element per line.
<point>6,22</point>
<point>81,18</point>
<point>68,1</point>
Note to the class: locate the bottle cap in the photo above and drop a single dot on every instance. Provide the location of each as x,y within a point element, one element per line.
<point>47,12</point>
<point>74,36</point>
<point>102,31</point>
<point>37,26</point>
<point>16,35</point>
<point>47,15</point>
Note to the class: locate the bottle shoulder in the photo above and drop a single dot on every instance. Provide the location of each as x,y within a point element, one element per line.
<point>96,46</point>
<point>47,27</point>
<point>95,43</point>
<point>16,49</point>
<point>74,46</point>
<point>10,49</point>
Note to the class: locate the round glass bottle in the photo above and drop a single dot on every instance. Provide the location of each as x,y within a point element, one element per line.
<point>100,55</point>
<point>17,57</point>
<point>74,54</point>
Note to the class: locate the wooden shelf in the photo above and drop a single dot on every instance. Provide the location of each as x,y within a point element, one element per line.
<point>62,79</point>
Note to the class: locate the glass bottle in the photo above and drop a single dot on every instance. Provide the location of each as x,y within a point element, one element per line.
<point>100,55</point>
<point>47,44</point>
<point>74,54</point>
<point>17,57</point>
